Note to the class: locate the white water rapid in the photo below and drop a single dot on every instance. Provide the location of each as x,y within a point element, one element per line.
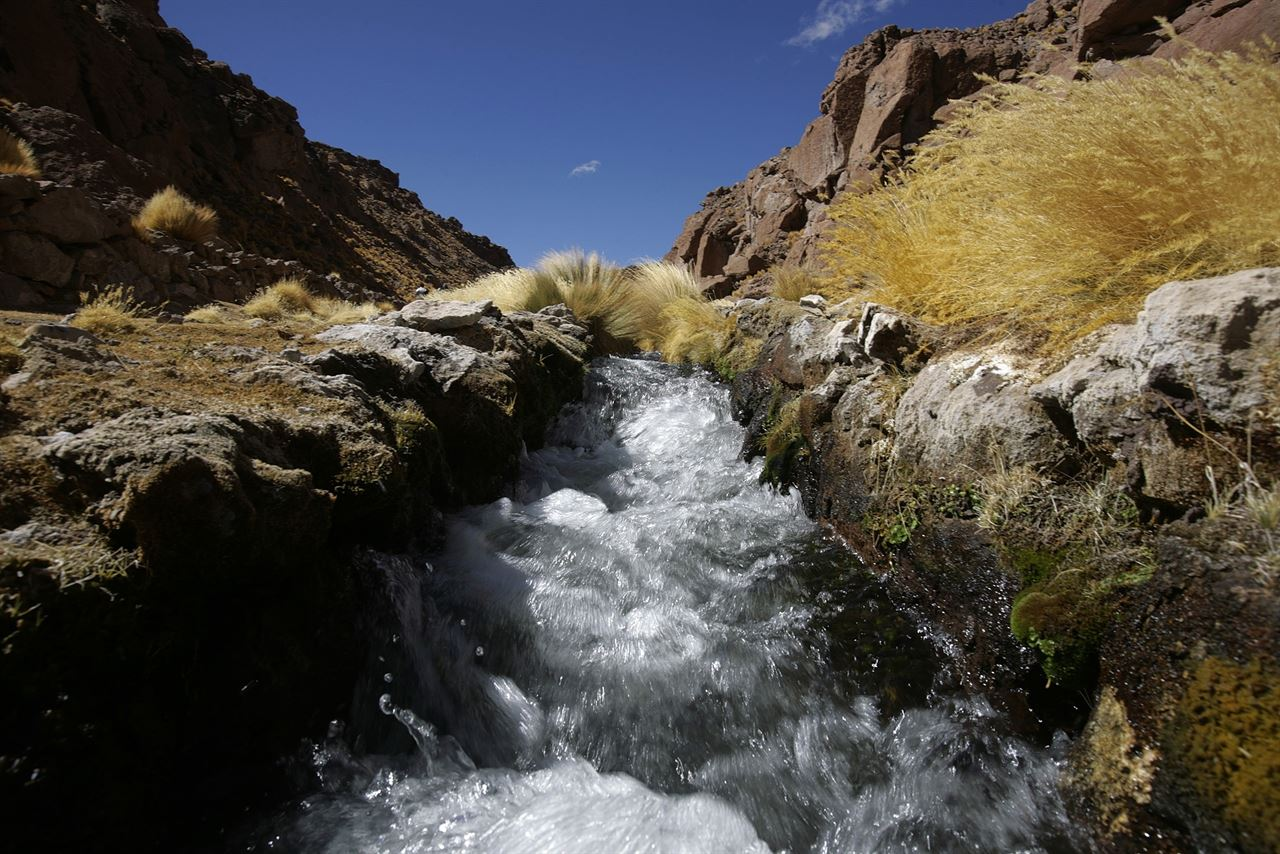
<point>644,650</point>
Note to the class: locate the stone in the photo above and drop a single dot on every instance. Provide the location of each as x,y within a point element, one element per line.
<point>68,215</point>
<point>31,256</point>
<point>444,315</point>
<point>969,414</point>
<point>59,332</point>
<point>891,337</point>
<point>18,188</point>
<point>813,301</point>
<point>17,293</point>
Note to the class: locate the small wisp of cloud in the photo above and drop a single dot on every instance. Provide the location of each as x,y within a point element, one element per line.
<point>834,17</point>
<point>588,168</point>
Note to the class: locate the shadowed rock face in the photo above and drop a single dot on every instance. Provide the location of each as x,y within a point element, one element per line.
<point>896,86</point>
<point>118,104</point>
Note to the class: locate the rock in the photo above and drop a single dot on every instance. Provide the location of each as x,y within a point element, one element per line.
<point>443,315</point>
<point>1105,23</point>
<point>58,332</point>
<point>891,337</point>
<point>1200,353</point>
<point>18,188</point>
<point>966,413</point>
<point>67,215</point>
<point>17,293</point>
<point>291,354</point>
<point>813,301</point>
<point>31,256</point>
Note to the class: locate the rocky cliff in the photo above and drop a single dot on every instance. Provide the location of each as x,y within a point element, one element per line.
<point>117,105</point>
<point>892,89</point>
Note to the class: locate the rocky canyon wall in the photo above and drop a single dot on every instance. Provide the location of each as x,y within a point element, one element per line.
<point>897,85</point>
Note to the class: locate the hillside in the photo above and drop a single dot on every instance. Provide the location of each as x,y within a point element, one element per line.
<point>118,105</point>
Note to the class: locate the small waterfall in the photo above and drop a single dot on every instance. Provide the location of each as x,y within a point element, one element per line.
<point>641,649</point>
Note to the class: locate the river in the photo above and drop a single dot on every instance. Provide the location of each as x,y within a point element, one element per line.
<point>643,650</point>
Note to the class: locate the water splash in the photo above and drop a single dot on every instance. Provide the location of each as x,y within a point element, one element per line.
<point>644,650</point>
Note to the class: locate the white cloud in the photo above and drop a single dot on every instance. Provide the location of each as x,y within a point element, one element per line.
<point>588,168</point>
<point>835,17</point>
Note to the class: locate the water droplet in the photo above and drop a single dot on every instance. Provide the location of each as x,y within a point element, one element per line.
<point>395,639</point>
<point>386,677</point>
<point>385,704</point>
<point>462,623</point>
<point>479,652</point>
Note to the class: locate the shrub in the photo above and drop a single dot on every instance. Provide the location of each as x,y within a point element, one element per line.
<point>653,306</point>
<point>286,297</point>
<point>17,157</point>
<point>111,312</point>
<point>1053,208</point>
<point>171,212</point>
<point>288,300</point>
<point>792,283</point>
<point>693,330</point>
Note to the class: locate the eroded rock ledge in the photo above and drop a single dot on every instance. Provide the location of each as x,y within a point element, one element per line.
<point>1061,521</point>
<point>187,525</point>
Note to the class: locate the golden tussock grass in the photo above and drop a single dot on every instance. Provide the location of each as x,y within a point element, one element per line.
<point>792,283</point>
<point>111,312</point>
<point>17,157</point>
<point>288,301</point>
<point>1051,209</point>
<point>176,215</point>
<point>652,306</point>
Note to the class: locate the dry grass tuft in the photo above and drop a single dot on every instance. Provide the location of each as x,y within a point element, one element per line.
<point>694,330</point>
<point>288,301</point>
<point>111,312</point>
<point>792,283</point>
<point>176,215</point>
<point>1054,208</point>
<point>17,157</point>
<point>653,306</point>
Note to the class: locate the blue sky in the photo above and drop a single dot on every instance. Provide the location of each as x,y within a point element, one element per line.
<point>559,123</point>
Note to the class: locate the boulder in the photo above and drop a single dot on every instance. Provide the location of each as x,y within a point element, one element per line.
<point>18,188</point>
<point>967,413</point>
<point>31,256</point>
<point>1209,344</point>
<point>892,337</point>
<point>443,315</point>
<point>68,215</point>
<point>1201,356</point>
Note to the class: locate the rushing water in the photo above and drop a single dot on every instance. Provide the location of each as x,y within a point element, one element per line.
<point>645,650</point>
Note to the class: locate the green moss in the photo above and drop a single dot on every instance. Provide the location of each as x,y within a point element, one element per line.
<point>1225,745</point>
<point>741,355</point>
<point>783,443</point>
<point>1033,564</point>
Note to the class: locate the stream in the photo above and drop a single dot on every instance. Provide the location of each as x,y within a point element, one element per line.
<point>644,650</point>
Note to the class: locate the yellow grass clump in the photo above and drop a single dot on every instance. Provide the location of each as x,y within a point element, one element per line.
<point>288,301</point>
<point>792,283</point>
<point>176,215</point>
<point>111,312</point>
<point>1051,209</point>
<point>652,306</point>
<point>17,156</point>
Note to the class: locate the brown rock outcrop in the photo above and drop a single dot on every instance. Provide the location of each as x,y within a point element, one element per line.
<point>895,87</point>
<point>117,104</point>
